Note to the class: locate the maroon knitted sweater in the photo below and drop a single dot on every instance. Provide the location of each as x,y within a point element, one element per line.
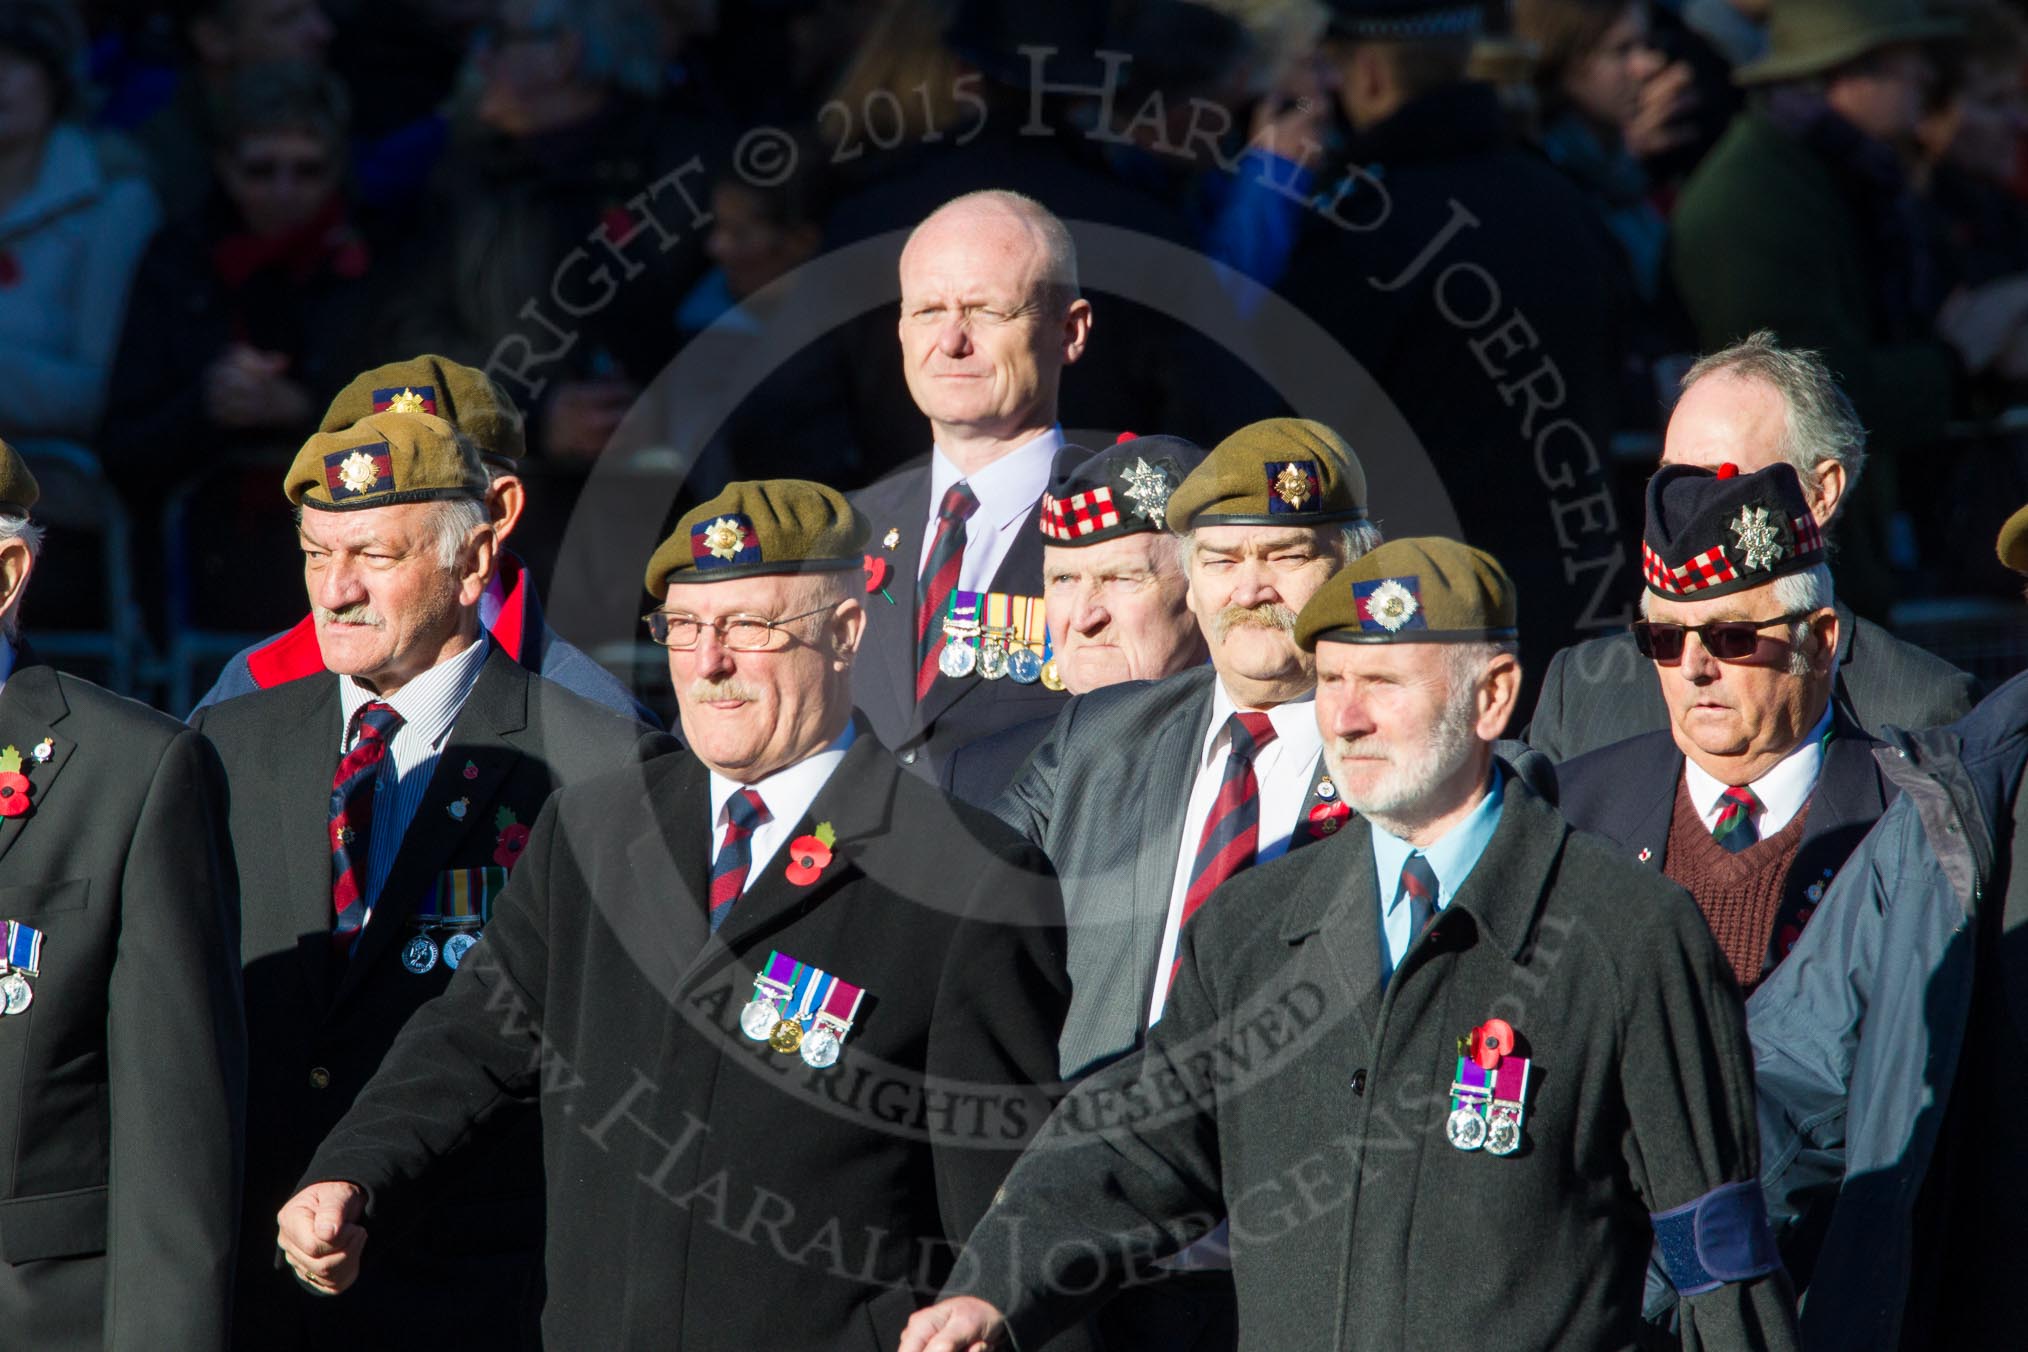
<point>1738,893</point>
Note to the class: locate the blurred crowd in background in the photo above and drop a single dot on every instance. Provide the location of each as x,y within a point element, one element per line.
<point>213,214</point>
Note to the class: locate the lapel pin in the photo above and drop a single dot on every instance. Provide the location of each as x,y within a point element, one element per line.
<point>14,786</point>
<point>44,749</point>
<point>892,538</point>
<point>810,855</point>
<point>512,840</point>
<point>471,769</point>
<point>459,809</point>
<point>1326,789</point>
<point>1645,855</point>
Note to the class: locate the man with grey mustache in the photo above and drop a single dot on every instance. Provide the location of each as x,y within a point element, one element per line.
<point>1147,795</point>
<point>375,814</point>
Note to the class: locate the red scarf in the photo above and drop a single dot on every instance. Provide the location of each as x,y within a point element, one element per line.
<point>325,240</point>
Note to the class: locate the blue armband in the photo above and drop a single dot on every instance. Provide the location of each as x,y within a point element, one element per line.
<point>1721,1237</point>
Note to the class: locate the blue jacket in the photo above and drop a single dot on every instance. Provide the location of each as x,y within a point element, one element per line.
<point>520,630</point>
<point>1857,1036</point>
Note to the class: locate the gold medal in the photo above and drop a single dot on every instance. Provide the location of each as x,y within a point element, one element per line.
<point>788,1036</point>
<point>1051,677</point>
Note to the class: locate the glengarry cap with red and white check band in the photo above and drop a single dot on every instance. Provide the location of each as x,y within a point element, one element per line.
<point>1713,532</point>
<point>1123,490</point>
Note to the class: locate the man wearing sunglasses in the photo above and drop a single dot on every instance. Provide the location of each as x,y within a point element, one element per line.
<point>1761,787</point>
<point>789,1012</point>
<point>1754,404</point>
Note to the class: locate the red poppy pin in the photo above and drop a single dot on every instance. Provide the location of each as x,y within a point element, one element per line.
<point>1489,1042</point>
<point>810,855</point>
<point>511,841</point>
<point>14,786</point>
<point>876,576</point>
<point>1326,818</point>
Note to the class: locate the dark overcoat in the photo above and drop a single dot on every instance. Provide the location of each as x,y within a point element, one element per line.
<point>706,1191</point>
<point>319,1025</point>
<point>1288,1089</point>
<point>121,1133</point>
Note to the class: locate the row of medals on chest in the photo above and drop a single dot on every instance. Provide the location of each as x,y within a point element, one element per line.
<point>421,952</point>
<point>992,652</point>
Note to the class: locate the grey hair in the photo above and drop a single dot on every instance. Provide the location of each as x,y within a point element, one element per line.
<point>20,528</point>
<point>1808,591</point>
<point>451,524</point>
<point>1466,664</point>
<point>1819,422</point>
<point>1059,251</point>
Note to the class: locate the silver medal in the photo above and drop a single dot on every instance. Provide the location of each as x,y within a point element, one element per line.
<point>1024,666</point>
<point>19,995</point>
<point>1466,1129</point>
<point>1503,1134</point>
<point>820,1048</point>
<point>957,659</point>
<point>992,660</point>
<point>758,1019</point>
<point>456,947</point>
<point>420,954</point>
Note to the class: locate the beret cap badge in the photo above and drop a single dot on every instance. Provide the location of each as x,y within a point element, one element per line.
<point>724,537</point>
<point>358,472</point>
<point>1295,484</point>
<point>408,401</point>
<point>1391,605</point>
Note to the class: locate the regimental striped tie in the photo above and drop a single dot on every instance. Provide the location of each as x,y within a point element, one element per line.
<point>744,812</point>
<point>939,580</point>
<point>1735,828</point>
<point>374,725</point>
<point>1232,827</point>
<point>1419,890</point>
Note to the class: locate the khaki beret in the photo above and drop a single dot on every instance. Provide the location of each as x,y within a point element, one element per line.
<point>1276,472</point>
<point>2012,547</point>
<point>464,396</point>
<point>383,461</point>
<point>760,527</point>
<point>18,489</point>
<point>1421,590</point>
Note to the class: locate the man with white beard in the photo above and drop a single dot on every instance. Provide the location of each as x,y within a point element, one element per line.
<point>1457,1070</point>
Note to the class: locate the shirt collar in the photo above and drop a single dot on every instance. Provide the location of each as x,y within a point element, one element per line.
<point>788,793</point>
<point>1295,725</point>
<point>430,703</point>
<point>1451,856</point>
<point>1782,790</point>
<point>1007,489</point>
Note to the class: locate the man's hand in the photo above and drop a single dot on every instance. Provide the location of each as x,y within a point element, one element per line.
<point>960,1324</point>
<point>320,1235</point>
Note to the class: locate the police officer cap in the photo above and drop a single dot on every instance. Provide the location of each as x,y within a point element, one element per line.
<point>1424,589</point>
<point>1714,532</point>
<point>385,460</point>
<point>18,489</point>
<point>759,527</point>
<point>1276,472</point>
<point>1122,490</point>
<point>464,396</point>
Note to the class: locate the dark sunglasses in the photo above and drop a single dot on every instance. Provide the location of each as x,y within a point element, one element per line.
<point>1726,640</point>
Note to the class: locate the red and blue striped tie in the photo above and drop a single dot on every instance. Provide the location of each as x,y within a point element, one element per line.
<point>939,580</point>
<point>1232,828</point>
<point>744,811</point>
<point>1735,828</point>
<point>374,725</point>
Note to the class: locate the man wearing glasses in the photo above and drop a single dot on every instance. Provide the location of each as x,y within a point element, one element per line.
<point>786,1014</point>
<point>1761,787</point>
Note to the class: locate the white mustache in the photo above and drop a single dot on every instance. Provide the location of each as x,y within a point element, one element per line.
<point>361,613</point>
<point>707,692</point>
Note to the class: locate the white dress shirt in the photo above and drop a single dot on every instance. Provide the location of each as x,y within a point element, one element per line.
<point>1008,491</point>
<point>1282,771</point>
<point>1783,791</point>
<point>6,660</point>
<point>787,794</point>
<point>429,706</point>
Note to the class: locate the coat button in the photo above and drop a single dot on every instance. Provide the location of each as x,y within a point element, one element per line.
<point>1359,1081</point>
<point>320,1078</point>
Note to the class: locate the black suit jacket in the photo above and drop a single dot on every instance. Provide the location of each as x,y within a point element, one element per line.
<point>1603,691</point>
<point>979,772</point>
<point>122,1125</point>
<point>319,1024</point>
<point>1627,793</point>
<point>958,709</point>
<point>705,1191</point>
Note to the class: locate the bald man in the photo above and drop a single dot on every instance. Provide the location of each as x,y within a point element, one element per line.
<point>990,316</point>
